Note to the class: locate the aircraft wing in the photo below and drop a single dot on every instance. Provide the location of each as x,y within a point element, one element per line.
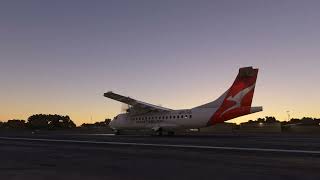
<point>136,105</point>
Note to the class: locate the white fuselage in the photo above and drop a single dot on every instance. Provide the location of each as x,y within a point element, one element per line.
<point>235,102</point>
<point>175,119</point>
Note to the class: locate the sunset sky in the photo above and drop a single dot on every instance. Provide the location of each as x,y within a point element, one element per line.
<point>60,56</point>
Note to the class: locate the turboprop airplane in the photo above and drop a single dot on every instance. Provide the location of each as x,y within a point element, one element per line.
<point>235,102</point>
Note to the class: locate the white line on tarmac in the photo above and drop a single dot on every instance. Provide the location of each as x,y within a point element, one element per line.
<point>166,145</point>
<point>95,134</point>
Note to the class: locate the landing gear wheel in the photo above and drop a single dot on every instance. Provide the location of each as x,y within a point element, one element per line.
<point>171,133</point>
<point>159,132</point>
<point>116,132</point>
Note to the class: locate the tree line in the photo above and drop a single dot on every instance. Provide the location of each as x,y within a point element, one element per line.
<point>101,124</point>
<point>40,121</point>
<point>294,121</point>
<point>49,121</point>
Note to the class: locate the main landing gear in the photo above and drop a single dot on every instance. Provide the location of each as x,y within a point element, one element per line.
<point>117,132</point>
<point>160,132</point>
<point>170,133</point>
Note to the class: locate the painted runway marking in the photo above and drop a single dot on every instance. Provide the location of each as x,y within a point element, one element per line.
<point>95,134</point>
<point>166,145</point>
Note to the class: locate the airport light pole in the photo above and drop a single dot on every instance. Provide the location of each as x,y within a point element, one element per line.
<point>288,112</point>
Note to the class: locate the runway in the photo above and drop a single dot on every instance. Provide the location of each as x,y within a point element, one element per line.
<point>82,156</point>
<point>165,145</point>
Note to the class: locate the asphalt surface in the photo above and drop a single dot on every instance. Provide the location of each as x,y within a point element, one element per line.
<point>84,156</point>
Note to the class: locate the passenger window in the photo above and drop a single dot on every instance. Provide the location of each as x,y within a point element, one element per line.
<point>174,117</point>
<point>190,116</point>
<point>170,117</point>
<point>166,117</point>
<point>186,116</point>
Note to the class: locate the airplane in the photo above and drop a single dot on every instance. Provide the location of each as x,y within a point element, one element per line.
<point>235,102</point>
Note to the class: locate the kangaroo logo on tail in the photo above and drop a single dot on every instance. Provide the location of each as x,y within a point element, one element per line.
<point>238,99</point>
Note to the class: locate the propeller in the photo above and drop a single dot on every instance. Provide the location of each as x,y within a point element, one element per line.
<point>125,108</point>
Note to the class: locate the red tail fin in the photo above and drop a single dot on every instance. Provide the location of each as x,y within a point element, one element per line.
<point>238,100</point>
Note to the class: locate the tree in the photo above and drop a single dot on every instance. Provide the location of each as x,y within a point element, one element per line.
<point>294,121</point>
<point>42,121</point>
<point>271,119</point>
<point>101,124</point>
<point>16,124</point>
<point>261,120</point>
<point>308,121</point>
<point>107,121</point>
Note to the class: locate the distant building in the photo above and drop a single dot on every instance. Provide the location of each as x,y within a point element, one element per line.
<point>219,128</point>
<point>261,125</point>
<point>304,125</point>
